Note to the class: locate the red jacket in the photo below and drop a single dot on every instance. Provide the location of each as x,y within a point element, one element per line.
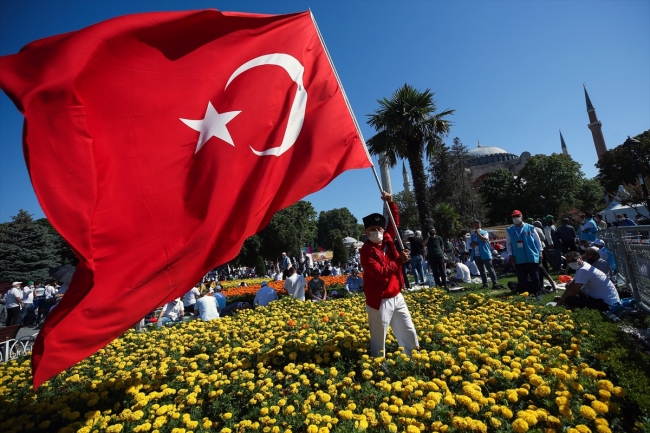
<point>382,267</point>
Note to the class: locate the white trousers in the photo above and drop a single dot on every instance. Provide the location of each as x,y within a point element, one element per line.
<point>393,312</point>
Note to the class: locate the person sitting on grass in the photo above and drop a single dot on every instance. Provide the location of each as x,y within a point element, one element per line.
<point>599,292</point>
<point>354,282</point>
<point>206,307</point>
<point>173,311</point>
<point>462,274</point>
<point>316,290</point>
<point>265,295</point>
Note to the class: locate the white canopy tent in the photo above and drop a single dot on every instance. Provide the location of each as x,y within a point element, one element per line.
<point>615,208</point>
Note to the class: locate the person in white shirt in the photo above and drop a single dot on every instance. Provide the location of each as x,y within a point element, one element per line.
<point>473,269</point>
<point>190,299</point>
<point>206,308</point>
<point>295,285</point>
<point>599,291</point>
<point>171,312</point>
<point>27,313</point>
<point>14,300</point>
<point>336,270</point>
<point>265,295</point>
<point>462,274</point>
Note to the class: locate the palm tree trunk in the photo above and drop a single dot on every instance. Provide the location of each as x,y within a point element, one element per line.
<point>420,188</point>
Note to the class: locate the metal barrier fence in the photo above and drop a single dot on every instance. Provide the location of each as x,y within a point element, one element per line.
<point>631,249</point>
<point>13,349</point>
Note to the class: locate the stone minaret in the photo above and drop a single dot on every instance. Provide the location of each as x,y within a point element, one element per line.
<point>564,149</point>
<point>407,181</point>
<point>385,180</point>
<point>595,127</point>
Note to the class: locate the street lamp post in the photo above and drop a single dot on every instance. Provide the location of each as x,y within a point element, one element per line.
<point>631,144</point>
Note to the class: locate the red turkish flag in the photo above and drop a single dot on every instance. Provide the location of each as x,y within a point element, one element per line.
<point>157,143</point>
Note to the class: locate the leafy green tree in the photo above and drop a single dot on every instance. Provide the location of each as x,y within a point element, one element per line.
<point>260,267</point>
<point>63,250</point>
<point>408,210</point>
<point>500,193</point>
<point>551,184</point>
<point>288,230</point>
<point>339,253</point>
<point>336,223</point>
<point>450,182</point>
<point>617,166</point>
<point>249,252</point>
<point>446,220</point>
<point>591,195</point>
<point>407,126</point>
<point>27,249</point>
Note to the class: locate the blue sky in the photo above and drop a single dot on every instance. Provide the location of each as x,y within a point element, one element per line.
<point>512,70</point>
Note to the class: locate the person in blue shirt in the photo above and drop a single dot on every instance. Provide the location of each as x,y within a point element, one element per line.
<point>220,297</point>
<point>623,221</point>
<point>588,228</point>
<point>354,282</point>
<point>525,251</point>
<point>605,253</point>
<point>481,250</point>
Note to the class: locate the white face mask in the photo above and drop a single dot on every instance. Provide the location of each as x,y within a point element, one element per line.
<point>376,237</point>
<point>574,265</point>
<point>516,220</point>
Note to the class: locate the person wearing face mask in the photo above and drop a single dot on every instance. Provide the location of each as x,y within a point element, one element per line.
<point>623,221</point>
<point>588,228</point>
<point>599,291</point>
<point>525,251</point>
<point>383,282</point>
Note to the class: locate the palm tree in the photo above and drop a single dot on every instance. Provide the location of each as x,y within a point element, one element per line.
<point>407,125</point>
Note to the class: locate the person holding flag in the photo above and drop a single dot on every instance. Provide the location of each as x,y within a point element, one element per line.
<point>383,282</point>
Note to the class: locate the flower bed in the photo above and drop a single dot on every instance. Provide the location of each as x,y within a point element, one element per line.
<point>251,289</point>
<point>485,365</point>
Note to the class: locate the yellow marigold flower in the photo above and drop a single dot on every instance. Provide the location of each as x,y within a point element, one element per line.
<point>542,391</point>
<point>45,424</point>
<point>495,422</point>
<point>619,392</point>
<point>587,412</point>
<point>520,426</point>
<point>599,406</point>
<point>226,416</point>
<point>506,412</point>
<point>606,385</point>
<point>312,429</point>
<point>117,428</point>
<point>583,428</point>
<point>603,429</point>
<point>366,374</point>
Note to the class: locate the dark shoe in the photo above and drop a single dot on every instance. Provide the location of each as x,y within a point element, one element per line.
<point>498,287</point>
<point>485,286</point>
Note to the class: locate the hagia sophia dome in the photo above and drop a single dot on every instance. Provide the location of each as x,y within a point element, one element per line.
<point>483,160</point>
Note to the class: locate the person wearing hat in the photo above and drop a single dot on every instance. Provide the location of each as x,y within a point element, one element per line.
<point>14,300</point>
<point>265,295</point>
<point>525,251</point>
<point>553,243</point>
<point>383,282</point>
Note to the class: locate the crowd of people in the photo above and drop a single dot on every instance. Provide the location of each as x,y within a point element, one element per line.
<point>29,304</point>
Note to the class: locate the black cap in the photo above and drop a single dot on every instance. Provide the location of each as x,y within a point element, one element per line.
<point>374,219</point>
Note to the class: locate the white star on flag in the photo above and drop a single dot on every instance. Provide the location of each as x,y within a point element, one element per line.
<point>213,124</point>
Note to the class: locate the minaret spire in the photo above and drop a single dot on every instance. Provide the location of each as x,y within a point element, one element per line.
<point>564,148</point>
<point>595,126</point>
<point>407,181</point>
